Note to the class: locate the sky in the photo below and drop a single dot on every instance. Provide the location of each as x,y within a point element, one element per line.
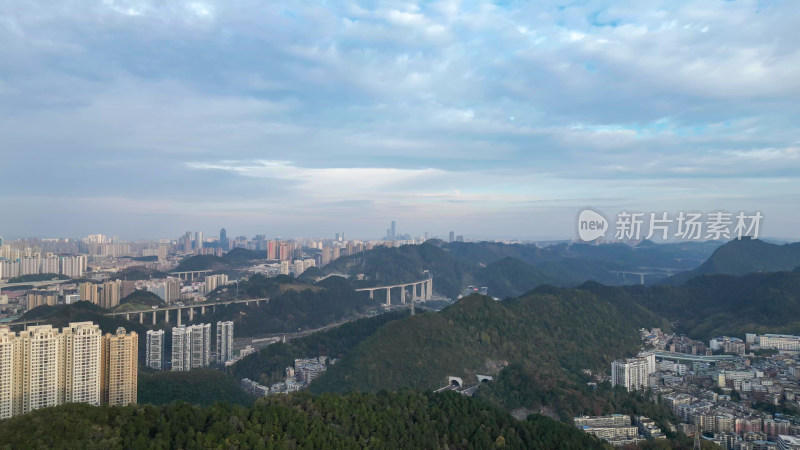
<point>503,119</point>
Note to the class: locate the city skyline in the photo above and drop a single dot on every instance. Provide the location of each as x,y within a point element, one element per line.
<point>497,119</point>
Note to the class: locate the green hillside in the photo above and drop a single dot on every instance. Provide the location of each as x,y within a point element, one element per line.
<point>408,420</point>
<point>203,262</point>
<point>292,306</point>
<point>234,259</point>
<point>711,305</point>
<point>552,334</point>
<point>200,387</point>
<point>137,273</point>
<point>513,269</point>
<point>139,300</point>
<point>268,364</point>
<point>407,263</point>
<point>739,257</point>
<point>510,277</point>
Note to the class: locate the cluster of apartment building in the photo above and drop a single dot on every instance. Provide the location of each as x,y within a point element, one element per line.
<point>657,339</point>
<point>781,342</point>
<point>618,429</point>
<point>191,347</point>
<point>726,391</point>
<point>304,371</point>
<point>733,426</point>
<point>42,367</point>
<point>35,264</point>
<point>634,373</point>
<point>246,351</point>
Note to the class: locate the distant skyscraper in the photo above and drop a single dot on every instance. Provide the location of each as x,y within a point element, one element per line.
<point>215,281</point>
<point>191,347</point>
<point>224,341</point>
<point>42,364</point>
<point>82,365</point>
<point>39,298</point>
<point>452,236</point>
<point>74,266</point>
<point>394,231</point>
<point>88,292</point>
<point>200,345</point>
<point>8,378</point>
<point>111,294</point>
<point>50,264</point>
<point>154,358</point>
<point>187,242</point>
<point>198,240</point>
<point>181,349</point>
<point>120,368</point>
<point>223,239</point>
<point>41,367</point>
<point>633,373</point>
<point>326,255</point>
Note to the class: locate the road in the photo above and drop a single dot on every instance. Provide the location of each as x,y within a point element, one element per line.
<point>240,343</point>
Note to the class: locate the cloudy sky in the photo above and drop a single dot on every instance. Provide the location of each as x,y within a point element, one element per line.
<point>494,119</point>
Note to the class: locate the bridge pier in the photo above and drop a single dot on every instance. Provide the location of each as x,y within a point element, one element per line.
<point>202,310</point>
<point>154,317</point>
<point>191,313</point>
<point>178,311</point>
<point>430,289</point>
<point>141,317</point>
<point>388,296</point>
<point>166,315</point>
<point>127,316</point>
<point>403,294</point>
<point>371,294</point>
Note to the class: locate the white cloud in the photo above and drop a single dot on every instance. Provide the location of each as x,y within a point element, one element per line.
<point>330,182</point>
<point>390,96</point>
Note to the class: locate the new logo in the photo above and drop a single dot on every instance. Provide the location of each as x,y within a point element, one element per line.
<point>591,225</point>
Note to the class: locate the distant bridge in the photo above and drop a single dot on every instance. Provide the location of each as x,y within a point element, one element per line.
<point>345,276</point>
<point>641,274</point>
<point>189,274</point>
<point>180,309</point>
<point>35,283</point>
<point>678,357</point>
<point>153,313</point>
<point>420,291</point>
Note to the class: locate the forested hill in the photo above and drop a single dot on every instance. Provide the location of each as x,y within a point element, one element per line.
<point>712,305</point>
<point>383,265</point>
<point>293,306</point>
<point>552,335</point>
<point>234,259</point>
<point>510,277</point>
<point>739,257</point>
<point>685,255</point>
<point>388,420</point>
<point>267,366</point>
<point>519,267</point>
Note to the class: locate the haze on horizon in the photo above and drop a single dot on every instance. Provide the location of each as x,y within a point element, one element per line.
<point>145,119</point>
